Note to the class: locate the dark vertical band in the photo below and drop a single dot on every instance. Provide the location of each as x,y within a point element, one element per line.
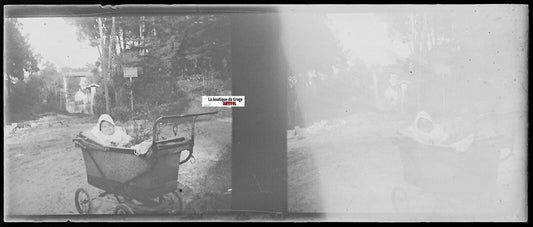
<point>259,158</point>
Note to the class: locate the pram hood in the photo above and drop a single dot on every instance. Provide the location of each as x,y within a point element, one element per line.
<point>119,136</point>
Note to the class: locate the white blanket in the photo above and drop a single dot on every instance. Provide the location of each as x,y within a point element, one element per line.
<point>143,147</point>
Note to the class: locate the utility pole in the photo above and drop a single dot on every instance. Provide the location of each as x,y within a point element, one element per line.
<point>102,47</point>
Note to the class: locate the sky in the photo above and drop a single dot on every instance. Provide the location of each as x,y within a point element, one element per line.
<point>364,37</point>
<point>56,41</point>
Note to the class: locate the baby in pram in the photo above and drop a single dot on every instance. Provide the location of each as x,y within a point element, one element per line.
<point>423,130</point>
<point>106,133</point>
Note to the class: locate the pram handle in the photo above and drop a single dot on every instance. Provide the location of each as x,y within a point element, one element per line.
<point>154,132</point>
<point>186,159</point>
<point>184,115</point>
<point>79,144</point>
<point>501,159</point>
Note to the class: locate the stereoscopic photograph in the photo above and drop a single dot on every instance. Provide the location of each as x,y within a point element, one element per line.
<point>103,115</point>
<point>411,111</point>
<point>271,113</point>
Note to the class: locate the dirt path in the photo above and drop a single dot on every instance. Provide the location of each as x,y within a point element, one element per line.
<point>43,169</point>
<point>352,167</point>
<point>348,166</point>
<point>345,173</point>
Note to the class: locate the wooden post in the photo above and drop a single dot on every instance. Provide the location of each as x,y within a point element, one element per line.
<point>131,97</point>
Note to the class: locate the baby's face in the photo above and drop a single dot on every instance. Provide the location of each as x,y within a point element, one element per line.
<point>107,128</point>
<point>425,125</point>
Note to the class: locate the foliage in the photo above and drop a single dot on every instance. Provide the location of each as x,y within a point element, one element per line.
<point>19,55</point>
<point>51,88</point>
<point>314,60</point>
<point>178,57</point>
<point>452,39</point>
<point>461,48</point>
<point>121,113</point>
<point>317,50</point>
<point>20,66</point>
<point>172,53</point>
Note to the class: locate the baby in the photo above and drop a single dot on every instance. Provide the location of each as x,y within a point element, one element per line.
<point>107,133</point>
<point>425,131</point>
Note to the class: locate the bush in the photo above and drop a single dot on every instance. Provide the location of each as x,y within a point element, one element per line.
<point>121,113</point>
<point>139,130</point>
<point>150,111</point>
<point>47,107</point>
<point>142,111</point>
<point>174,108</point>
<point>223,112</point>
<point>99,102</point>
<point>212,87</point>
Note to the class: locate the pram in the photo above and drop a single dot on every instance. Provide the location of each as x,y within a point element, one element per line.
<point>140,183</point>
<point>441,171</point>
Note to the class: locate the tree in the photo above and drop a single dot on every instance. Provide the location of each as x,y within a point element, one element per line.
<point>51,77</point>
<point>166,49</point>
<point>317,50</point>
<point>20,63</point>
<point>177,41</point>
<point>19,58</point>
<point>315,57</point>
<point>454,45</point>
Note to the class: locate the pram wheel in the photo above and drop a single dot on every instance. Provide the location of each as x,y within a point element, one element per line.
<point>175,202</point>
<point>505,153</point>
<point>122,209</point>
<point>277,216</point>
<point>399,199</point>
<point>82,201</point>
<point>204,204</point>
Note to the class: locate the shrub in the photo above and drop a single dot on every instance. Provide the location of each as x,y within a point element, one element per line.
<point>173,108</point>
<point>141,110</point>
<point>195,106</point>
<point>121,113</point>
<point>150,111</point>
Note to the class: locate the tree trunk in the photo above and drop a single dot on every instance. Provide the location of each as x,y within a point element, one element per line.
<point>9,84</point>
<point>141,36</point>
<point>116,42</point>
<point>123,39</point>
<point>99,51</point>
<point>110,51</point>
<point>104,73</point>
<point>118,96</point>
<point>153,25</point>
<point>376,91</point>
<point>119,40</point>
